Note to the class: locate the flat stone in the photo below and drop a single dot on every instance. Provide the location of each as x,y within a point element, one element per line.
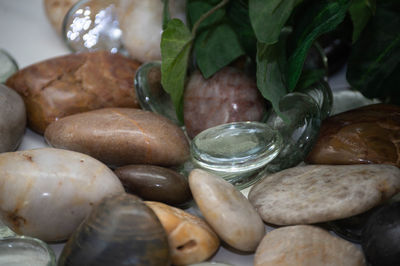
<point>12,119</point>
<point>303,245</point>
<point>155,183</point>
<point>228,96</point>
<point>228,212</point>
<point>73,84</point>
<point>46,193</point>
<point>320,193</point>
<point>190,239</point>
<point>121,136</point>
<point>120,230</point>
<point>370,134</point>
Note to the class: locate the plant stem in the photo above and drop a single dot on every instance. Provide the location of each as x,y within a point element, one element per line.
<point>206,15</point>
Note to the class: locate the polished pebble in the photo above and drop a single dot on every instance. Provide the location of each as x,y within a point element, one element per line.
<point>190,239</point>
<point>121,136</point>
<point>228,212</point>
<point>321,193</point>
<point>46,193</point>
<point>56,11</point>
<point>304,245</point>
<point>120,230</point>
<point>155,183</point>
<point>12,119</point>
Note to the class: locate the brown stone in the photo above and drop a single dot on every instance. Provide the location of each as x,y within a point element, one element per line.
<point>370,134</point>
<point>228,96</point>
<point>304,245</point>
<point>75,83</point>
<point>121,136</point>
<point>190,239</point>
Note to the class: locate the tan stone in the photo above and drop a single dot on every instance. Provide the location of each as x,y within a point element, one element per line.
<point>320,193</point>
<point>191,240</point>
<point>304,245</point>
<point>56,11</point>
<point>121,136</point>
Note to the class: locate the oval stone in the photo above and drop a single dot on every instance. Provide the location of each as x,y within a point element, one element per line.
<point>74,83</point>
<point>120,230</point>
<point>155,183</point>
<point>321,193</point>
<point>190,239</point>
<point>228,96</point>
<point>228,212</point>
<point>56,11</point>
<point>306,245</point>
<point>370,134</point>
<point>46,193</point>
<point>121,136</point>
<point>12,119</point>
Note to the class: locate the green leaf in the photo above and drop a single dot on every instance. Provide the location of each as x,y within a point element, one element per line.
<point>176,43</point>
<point>269,17</point>
<point>360,13</point>
<point>216,44</point>
<point>318,18</point>
<point>166,15</point>
<point>271,60</point>
<point>309,77</point>
<point>373,66</point>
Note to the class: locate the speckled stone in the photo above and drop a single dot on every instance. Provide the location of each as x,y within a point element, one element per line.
<point>190,239</point>
<point>121,136</point>
<point>12,119</point>
<point>228,96</point>
<point>304,245</point>
<point>321,193</point>
<point>121,230</point>
<point>155,183</point>
<point>228,212</point>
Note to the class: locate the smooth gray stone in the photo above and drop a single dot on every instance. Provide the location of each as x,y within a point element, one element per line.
<point>12,119</point>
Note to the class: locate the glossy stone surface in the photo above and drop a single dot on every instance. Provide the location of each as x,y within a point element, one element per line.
<point>299,133</point>
<point>150,93</point>
<point>370,134</point>
<point>46,193</point>
<point>120,230</point>
<point>305,245</point>
<point>228,212</point>
<point>56,11</point>
<point>74,83</point>
<point>121,136</point>
<point>322,94</point>
<point>8,66</point>
<point>155,183</point>
<point>190,239</point>
<point>141,24</point>
<point>228,96</point>
<point>12,119</point>
<point>320,193</point>
<point>20,251</point>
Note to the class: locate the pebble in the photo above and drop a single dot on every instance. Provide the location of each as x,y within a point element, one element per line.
<point>228,212</point>
<point>56,11</point>
<point>370,134</point>
<point>151,182</point>
<point>321,193</point>
<point>74,83</point>
<point>46,193</point>
<point>190,239</point>
<point>12,119</point>
<point>121,136</point>
<point>120,230</point>
<point>304,245</point>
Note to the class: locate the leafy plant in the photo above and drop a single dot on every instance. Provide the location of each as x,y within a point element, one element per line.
<point>277,35</point>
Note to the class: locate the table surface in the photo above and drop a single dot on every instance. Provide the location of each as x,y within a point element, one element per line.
<point>28,36</point>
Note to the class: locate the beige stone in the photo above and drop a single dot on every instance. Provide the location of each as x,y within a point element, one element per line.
<point>121,136</point>
<point>228,212</point>
<point>190,239</point>
<point>320,193</point>
<point>56,11</point>
<point>304,245</point>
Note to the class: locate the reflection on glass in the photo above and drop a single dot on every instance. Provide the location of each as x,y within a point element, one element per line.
<point>92,25</point>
